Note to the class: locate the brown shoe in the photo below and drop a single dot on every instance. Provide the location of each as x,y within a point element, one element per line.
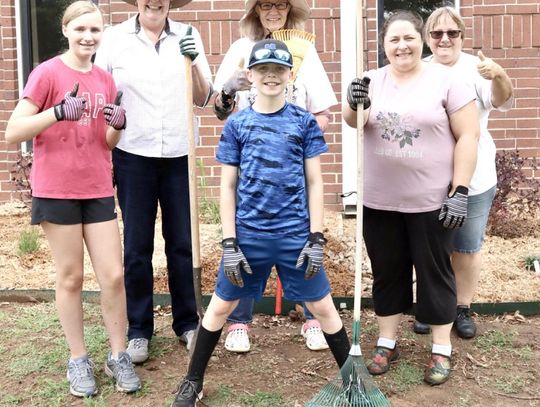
<point>381,359</point>
<point>438,369</point>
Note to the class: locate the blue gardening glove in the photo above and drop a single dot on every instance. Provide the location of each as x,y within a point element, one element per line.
<point>187,45</point>
<point>313,252</point>
<point>72,107</point>
<point>115,115</point>
<point>454,210</point>
<point>233,260</point>
<point>357,93</point>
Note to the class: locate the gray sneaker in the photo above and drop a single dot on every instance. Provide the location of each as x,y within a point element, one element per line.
<point>138,350</point>
<point>123,373</point>
<point>187,337</point>
<point>80,374</point>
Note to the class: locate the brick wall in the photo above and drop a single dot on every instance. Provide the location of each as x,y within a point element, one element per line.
<point>507,31</point>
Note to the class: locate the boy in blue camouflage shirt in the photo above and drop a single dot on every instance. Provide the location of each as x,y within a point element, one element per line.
<point>271,212</point>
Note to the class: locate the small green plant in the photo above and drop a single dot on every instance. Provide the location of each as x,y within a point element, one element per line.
<point>529,261</point>
<point>28,241</point>
<point>209,206</point>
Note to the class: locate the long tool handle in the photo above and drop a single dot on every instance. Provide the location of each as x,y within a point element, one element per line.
<point>359,165</point>
<point>279,297</point>
<point>193,201</point>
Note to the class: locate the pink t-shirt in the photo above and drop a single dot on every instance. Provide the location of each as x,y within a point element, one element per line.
<point>71,159</point>
<point>409,146</point>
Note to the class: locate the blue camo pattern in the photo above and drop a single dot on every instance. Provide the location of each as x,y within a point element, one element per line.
<point>270,150</point>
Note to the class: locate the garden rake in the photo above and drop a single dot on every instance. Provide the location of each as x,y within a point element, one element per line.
<point>354,386</point>
<point>299,42</point>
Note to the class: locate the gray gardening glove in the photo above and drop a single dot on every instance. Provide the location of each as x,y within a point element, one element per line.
<point>454,210</point>
<point>357,93</point>
<point>115,115</point>
<point>188,46</point>
<point>233,261</point>
<point>238,81</point>
<point>72,107</point>
<point>313,252</point>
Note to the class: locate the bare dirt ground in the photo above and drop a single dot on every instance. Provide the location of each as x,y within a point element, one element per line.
<point>499,368</point>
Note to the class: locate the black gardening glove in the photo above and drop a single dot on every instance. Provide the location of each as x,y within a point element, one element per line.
<point>357,93</point>
<point>454,210</point>
<point>313,251</point>
<point>233,261</point>
<point>72,107</point>
<point>115,115</point>
<point>187,45</point>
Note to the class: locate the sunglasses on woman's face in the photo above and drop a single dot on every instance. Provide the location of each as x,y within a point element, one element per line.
<point>437,35</point>
<point>267,6</point>
<point>280,54</point>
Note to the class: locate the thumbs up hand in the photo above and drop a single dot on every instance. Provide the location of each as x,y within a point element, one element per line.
<point>488,68</point>
<point>115,115</point>
<point>187,44</point>
<point>72,107</point>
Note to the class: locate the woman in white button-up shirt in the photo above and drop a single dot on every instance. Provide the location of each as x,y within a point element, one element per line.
<point>146,57</point>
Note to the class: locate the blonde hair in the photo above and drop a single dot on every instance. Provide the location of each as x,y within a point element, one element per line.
<point>77,9</point>
<point>439,14</point>
<point>251,27</point>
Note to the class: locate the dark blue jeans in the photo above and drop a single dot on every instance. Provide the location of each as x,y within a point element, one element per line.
<point>243,313</point>
<point>142,183</point>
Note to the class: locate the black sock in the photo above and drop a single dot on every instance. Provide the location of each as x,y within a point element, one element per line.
<point>204,346</point>
<point>339,345</point>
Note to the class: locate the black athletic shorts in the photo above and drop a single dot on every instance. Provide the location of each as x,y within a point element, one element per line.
<point>72,211</point>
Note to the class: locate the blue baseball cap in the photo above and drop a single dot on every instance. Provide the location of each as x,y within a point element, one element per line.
<point>270,51</point>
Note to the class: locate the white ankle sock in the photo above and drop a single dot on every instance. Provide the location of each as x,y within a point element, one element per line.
<point>387,343</point>
<point>445,350</point>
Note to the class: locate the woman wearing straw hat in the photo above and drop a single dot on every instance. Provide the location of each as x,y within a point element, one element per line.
<point>146,56</point>
<point>310,89</point>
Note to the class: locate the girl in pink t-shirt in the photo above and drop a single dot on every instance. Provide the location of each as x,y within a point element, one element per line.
<point>421,133</point>
<point>67,110</point>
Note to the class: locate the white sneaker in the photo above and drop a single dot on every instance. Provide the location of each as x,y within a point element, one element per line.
<point>138,350</point>
<point>237,339</point>
<point>312,332</point>
<point>187,338</point>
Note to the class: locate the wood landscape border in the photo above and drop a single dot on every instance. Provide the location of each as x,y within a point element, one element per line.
<point>267,304</point>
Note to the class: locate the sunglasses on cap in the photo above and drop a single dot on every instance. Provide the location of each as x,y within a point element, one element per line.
<point>266,5</point>
<point>437,35</point>
<point>265,53</point>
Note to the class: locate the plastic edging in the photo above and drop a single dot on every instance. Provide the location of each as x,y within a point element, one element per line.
<point>267,304</point>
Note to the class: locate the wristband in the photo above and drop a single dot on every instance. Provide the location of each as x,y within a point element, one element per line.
<point>58,112</point>
<point>317,238</point>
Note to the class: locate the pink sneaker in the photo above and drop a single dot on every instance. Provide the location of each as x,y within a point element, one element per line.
<point>312,332</point>
<point>237,338</point>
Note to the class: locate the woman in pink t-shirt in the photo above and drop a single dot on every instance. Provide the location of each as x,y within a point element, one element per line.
<point>421,131</point>
<point>67,110</point>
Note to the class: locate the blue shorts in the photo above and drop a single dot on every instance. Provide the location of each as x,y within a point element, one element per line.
<point>283,253</point>
<point>470,236</point>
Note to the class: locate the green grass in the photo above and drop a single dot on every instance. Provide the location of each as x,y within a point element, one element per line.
<point>495,340</point>
<point>28,241</point>
<point>405,376</point>
<point>261,399</point>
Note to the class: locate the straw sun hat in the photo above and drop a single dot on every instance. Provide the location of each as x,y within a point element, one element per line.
<point>301,7</point>
<point>174,3</point>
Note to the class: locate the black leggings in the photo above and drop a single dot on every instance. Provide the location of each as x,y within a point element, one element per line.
<point>395,243</point>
